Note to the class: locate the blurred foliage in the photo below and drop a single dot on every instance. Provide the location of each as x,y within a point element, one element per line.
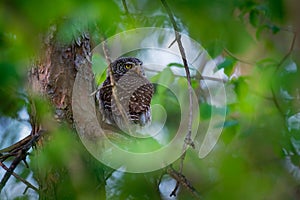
<point>258,153</point>
<point>81,172</point>
<point>227,65</point>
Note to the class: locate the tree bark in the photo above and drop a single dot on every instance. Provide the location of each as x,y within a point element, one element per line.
<point>53,78</point>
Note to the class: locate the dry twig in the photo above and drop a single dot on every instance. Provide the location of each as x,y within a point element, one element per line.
<point>29,185</point>
<point>20,151</point>
<point>209,78</point>
<point>114,86</point>
<point>180,178</point>
<point>188,139</point>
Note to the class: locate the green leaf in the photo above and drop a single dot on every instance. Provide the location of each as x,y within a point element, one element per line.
<point>227,65</point>
<point>241,87</point>
<point>275,29</point>
<point>215,48</point>
<point>175,65</point>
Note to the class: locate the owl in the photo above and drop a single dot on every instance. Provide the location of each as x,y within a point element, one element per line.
<point>127,102</point>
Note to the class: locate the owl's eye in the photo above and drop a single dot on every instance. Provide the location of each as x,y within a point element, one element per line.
<point>128,66</point>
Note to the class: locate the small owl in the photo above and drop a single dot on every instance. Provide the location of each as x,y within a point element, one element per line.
<point>132,94</point>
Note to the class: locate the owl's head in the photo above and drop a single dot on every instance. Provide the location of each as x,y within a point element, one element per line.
<point>124,64</point>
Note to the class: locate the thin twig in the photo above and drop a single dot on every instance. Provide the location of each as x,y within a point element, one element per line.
<point>172,43</point>
<point>289,52</point>
<point>109,174</point>
<point>114,86</point>
<point>185,64</point>
<point>202,77</point>
<point>10,170</point>
<point>261,95</point>
<point>19,156</point>
<point>275,100</point>
<point>17,145</point>
<point>160,179</point>
<point>117,101</point>
<point>277,104</point>
<point>107,58</point>
<point>29,185</point>
<point>181,179</point>
<point>128,14</point>
<point>106,52</point>
<point>236,58</point>
<point>188,139</point>
<point>125,7</point>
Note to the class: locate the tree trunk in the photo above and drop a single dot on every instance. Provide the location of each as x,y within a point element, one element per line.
<point>53,77</point>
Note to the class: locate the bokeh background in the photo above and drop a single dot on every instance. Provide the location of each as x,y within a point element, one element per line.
<point>253,43</point>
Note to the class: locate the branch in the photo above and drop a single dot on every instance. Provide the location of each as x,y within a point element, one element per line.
<point>187,71</point>
<point>20,150</point>
<point>125,7</point>
<point>106,51</point>
<point>181,179</point>
<point>11,169</point>
<point>114,85</point>
<point>120,108</point>
<point>236,58</point>
<point>188,139</point>
<point>275,100</point>
<point>202,77</point>
<point>16,146</point>
<point>107,58</point>
<point>128,14</point>
<point>29,185</point>
<point>289,52</point>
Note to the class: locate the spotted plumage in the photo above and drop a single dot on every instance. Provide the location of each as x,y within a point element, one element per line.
<point>133,93</point>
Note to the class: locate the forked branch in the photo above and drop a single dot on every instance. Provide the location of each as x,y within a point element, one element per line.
<point>180,178</point>
<point>20,152</point>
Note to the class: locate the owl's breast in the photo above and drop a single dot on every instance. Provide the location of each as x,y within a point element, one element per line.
<point>132,94</point>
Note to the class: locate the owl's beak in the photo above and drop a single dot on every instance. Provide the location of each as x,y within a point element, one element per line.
<point>137,69</point>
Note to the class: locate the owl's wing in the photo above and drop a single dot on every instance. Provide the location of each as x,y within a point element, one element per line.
<point>103,97</point>
<point>139,104</point>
